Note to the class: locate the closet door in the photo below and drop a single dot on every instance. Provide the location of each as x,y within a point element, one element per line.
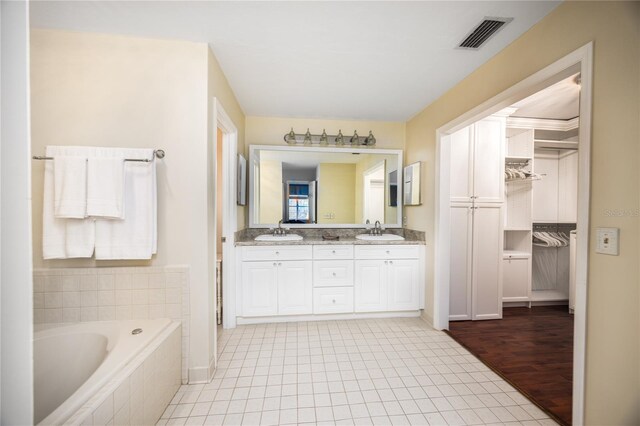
<point>488,160</point>
<point>460,263</point>
<point>461,177</point>
<point>487,262</point>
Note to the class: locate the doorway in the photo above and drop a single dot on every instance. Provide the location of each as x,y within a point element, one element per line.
<point>373,193</point>
<point>578,61</point>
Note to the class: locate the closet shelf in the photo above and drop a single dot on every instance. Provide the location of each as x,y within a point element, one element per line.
<point>515,254</point>
<point>518,229</point>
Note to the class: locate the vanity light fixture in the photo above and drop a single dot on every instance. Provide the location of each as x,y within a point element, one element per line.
<point>308,138</point>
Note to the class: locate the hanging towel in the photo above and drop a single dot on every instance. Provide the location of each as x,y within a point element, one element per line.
<point>70,187</point>
<point>134,237</point>
<point>105,186</point>
<point>63,238</point>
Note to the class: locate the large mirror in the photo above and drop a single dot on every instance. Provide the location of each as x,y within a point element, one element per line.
<point>324,187</point>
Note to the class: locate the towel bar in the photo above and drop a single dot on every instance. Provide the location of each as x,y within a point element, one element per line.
<point>157,153</point>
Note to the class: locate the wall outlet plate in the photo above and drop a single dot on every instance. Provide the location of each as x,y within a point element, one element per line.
<point>608,241</point>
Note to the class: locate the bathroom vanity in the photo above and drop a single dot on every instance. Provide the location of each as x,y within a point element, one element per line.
<point>316,279</point>
<point>349,193</point>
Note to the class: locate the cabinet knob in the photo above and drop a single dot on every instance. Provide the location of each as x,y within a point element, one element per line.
<point>388,252</point>
<point>277,252</point>
<point>386,262</point>
<point>334,274</point>
<point>334,300</point>
<point>275,264</point>
<point>391,262</point>
<point>333,251</point>
<point>279,263</point>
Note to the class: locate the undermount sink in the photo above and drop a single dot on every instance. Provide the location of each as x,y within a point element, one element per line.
<point>286,237</point>
<point>383,237</point>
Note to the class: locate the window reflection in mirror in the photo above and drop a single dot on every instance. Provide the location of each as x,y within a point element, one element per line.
<point>303,186</point>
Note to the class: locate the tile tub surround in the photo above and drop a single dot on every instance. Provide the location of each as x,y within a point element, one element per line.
<point>63,295</point>
<point>313,236</point>
<point>140,393</point>
<point>362,372</point>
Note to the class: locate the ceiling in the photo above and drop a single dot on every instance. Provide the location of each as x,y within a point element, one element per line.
<point>560,101</point>
<point>383,60</point>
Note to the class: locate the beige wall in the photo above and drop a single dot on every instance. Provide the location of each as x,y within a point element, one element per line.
<point>107,90</point>
<point>336,193</point>
<point>613,321</point>
<point>271,130</point>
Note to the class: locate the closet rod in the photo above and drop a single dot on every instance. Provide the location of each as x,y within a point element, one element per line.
<point>157,153</point>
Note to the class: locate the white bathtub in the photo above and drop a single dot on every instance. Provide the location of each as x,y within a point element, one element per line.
<point>73,363</point>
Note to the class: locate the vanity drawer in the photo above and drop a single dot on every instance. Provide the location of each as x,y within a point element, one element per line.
<point>333,300</point>
<point>387,252</point>
<point>299,252</point>
<point>332,273</point>
<point>333,252</point>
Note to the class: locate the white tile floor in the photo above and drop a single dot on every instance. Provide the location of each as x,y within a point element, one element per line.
<point>359,372</point>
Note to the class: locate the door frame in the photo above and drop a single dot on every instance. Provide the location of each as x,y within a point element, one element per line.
<point>579,60</point>
<point>229,142</point>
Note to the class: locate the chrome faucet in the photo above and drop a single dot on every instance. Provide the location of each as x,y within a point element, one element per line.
<point>279,230</point>
<point>377,229</point>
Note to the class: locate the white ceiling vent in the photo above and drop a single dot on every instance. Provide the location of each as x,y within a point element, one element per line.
<point>483,32</point>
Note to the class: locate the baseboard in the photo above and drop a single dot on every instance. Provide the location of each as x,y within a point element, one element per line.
<point>325,317</point>
<point>427,318</point>
<point>212,368</point>
<point>198,375</point>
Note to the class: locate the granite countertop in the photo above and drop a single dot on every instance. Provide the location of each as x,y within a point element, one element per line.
<point>314,237</point>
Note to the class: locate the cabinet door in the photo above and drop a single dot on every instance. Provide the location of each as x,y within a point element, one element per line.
<point>403,293</point>
<point>517,278</point>
<point>259,289</point>
<point>460,264</point>
<point>461,177</point>
<point>370,286</point>
<point>488,160</point>
<point>295,287</point>
<point>487,262</point>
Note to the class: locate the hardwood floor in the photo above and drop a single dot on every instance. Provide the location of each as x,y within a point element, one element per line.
<point>530,348</point>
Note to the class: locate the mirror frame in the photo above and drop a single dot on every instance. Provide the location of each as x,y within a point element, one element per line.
<point>363,150</point>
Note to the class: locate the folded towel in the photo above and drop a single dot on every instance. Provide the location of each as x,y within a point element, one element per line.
<point>70,187</point>
<point>105,187</point>
<point>63,238</point>
<point>134,237</point>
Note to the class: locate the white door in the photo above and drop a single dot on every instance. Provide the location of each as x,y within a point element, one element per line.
<point>295,287</point>
<point>488,160</point>
<point>461,178</point>
<point>487,262</point>
<point>516,284</point>
<point>370,286</point>
<point>259,289</point>
<point>460,268</point>
<point>403,292</point>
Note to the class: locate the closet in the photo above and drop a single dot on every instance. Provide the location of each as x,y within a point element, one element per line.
<point>476,207</point>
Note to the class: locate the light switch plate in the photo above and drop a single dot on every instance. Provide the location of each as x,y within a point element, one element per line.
<point>608,241</point>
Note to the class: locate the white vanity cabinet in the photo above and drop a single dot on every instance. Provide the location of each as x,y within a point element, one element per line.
<point>277,280</point>
<point>387,278</point>
<point>342,279</point>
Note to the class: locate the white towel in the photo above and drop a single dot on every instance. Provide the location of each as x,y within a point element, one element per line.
<point>134,237</point>
<point>63,238</point>
<point>105,186</point>
<point>70,187</point>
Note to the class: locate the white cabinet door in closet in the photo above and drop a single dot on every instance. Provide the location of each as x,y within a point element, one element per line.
<point>403,285</point>
<point>295,287</point>
<point>370,286</point>
<point>488,160</point>
<point>461,176</point>
<point>517,279</point>
<point>487,262</point>
<point>259,289</point>
<point>460,269</point>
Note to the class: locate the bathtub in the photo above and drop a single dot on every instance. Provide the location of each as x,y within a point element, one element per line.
<point>78,368</point>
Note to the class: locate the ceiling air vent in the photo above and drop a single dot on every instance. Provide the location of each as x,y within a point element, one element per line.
<point>483,32</point>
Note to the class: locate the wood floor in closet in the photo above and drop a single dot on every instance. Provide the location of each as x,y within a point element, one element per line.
<point>530,348</point>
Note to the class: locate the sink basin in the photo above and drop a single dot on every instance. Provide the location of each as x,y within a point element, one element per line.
<point>383,237</point>
<point>271,237</point>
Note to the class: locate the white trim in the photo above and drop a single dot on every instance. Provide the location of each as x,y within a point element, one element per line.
<point>222,121</point>
<point>579,60</point>
<point>543,123</point>
<point>253,148</point>
<point>326,317</point>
